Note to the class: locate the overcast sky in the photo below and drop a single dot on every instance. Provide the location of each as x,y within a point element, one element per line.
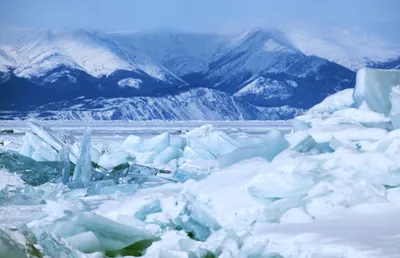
<point>193,15</point>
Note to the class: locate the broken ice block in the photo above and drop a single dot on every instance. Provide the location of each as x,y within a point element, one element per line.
<point>165,146</point>
<point>41,150</point>
<point>157,143</point>
<point>18,244</point>
<point>395,111</point>
<point>274,144</point>
<point>64,157</point>
<point>334,143</point>
<point>306,144</point>
<point>86,242</point>
<point>374,86</point>
<point>83,168</point>
<point>140,169</point>
<point>364,116</point>
<point>27,195</point>
<point>190,215</point>
<point>57,140</point>
<point>95,188</point>
<point>218,143</point>
<point>300,125</point>
<point>201,131</point>
<point>177,142</point>
<point>166,155</point>
<point>57,247</point>
<point>112,235</point>
<point>31,171</point>
<point>110,160</point>
<point>195,149</point>
<point>133,142</point>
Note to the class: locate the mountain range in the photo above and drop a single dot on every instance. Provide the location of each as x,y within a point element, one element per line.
<point>259,74</point>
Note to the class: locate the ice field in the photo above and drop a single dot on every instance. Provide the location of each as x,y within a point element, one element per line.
<point>324,185</point>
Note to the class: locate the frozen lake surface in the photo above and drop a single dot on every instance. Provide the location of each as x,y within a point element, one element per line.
<point>241,189</point>
<point>117,131</point>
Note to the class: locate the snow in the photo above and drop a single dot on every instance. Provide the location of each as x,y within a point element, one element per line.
<point>337,101</point>
<point>130,82</point>
<point>266,87</point>
<point>39,52</point>
<point>272,45</point>
<point>194,104</point>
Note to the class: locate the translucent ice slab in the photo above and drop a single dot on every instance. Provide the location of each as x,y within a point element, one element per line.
<point>56,141</point>
<point>374,86</point>
<point>274,144</point>
<point>30,170</point>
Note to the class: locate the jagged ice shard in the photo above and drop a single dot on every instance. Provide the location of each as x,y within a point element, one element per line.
<point>83,169</point>
<point>44,143</point>
<point>64,158</point>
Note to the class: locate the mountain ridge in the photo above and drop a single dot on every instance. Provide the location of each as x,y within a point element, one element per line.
<point>261,67</point>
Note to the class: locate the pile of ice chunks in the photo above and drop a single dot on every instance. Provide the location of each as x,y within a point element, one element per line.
<point>204,143</point>
<point>31,171</point>
<point>233,195</point>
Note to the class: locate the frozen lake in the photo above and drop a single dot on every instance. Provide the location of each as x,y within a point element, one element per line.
<point>117,131</point>
<point>278,192</point>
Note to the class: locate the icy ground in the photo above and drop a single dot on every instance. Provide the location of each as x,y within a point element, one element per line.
<point>110,132</point>
<point>324,185</point>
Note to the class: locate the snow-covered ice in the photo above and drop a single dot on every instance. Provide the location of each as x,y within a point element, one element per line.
<point>328,188</point>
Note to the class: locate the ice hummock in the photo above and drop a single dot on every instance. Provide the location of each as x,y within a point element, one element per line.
<point>274,195</point>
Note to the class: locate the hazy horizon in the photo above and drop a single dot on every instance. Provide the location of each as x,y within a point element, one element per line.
<point>197,16</point>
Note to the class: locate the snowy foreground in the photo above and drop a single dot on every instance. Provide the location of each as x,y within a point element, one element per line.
<point>328,188</point>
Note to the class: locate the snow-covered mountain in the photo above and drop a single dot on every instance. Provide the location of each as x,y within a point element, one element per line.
<point>182,53</point>
<point>352,47</point>
<point>389,64</point>
<point>194,104</point>
<point>268,68</point>
<point>5,62</point>
<point>231,63</point>
<point>268,56</point>
<point>90,51</point>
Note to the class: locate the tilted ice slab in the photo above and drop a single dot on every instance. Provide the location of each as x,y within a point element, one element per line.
<point>55,141</point>
<point>273,144</point>
<point>374,86</point>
